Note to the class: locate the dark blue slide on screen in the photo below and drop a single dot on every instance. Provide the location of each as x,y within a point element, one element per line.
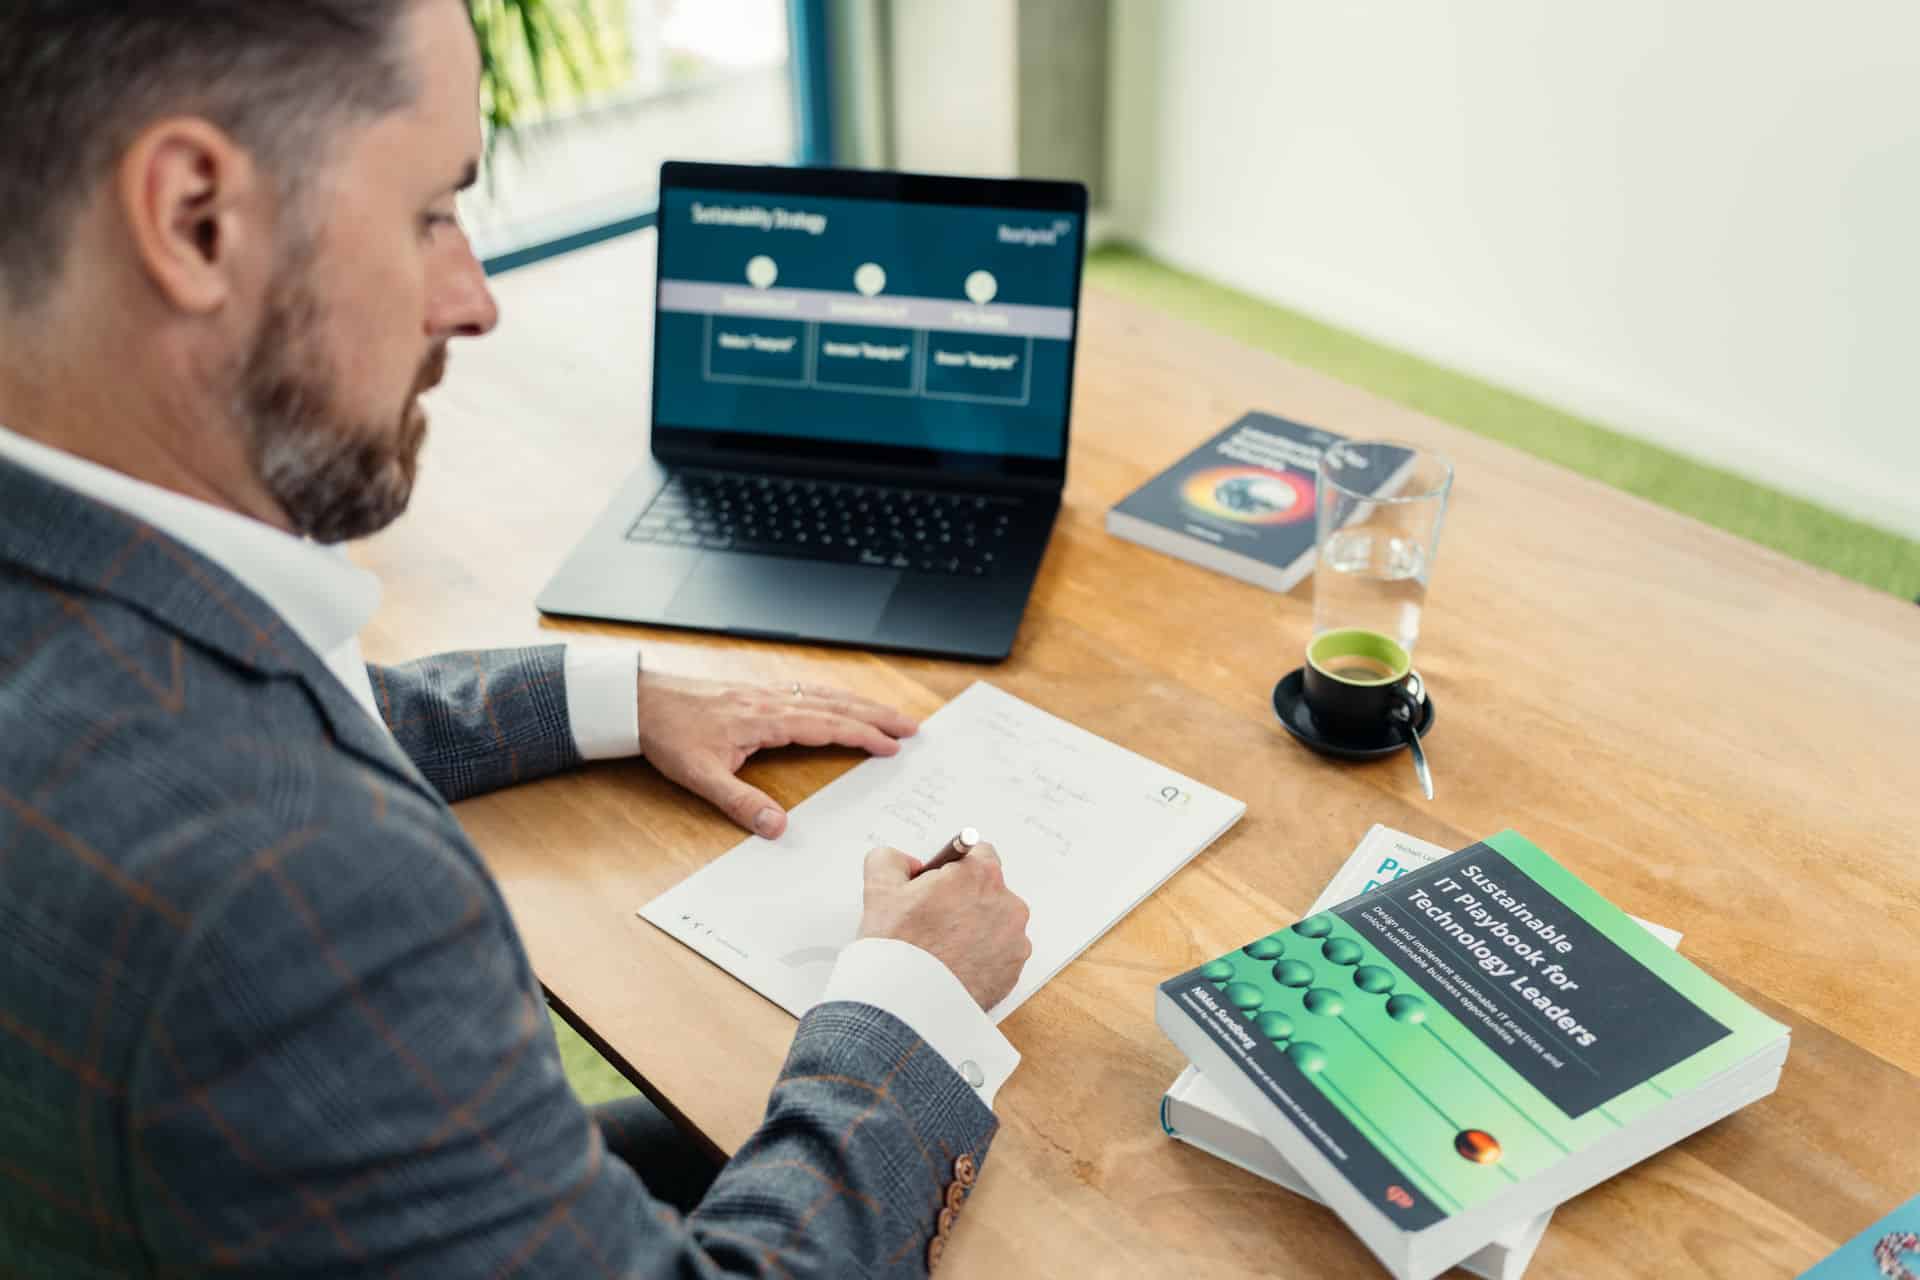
<point>867,321</point>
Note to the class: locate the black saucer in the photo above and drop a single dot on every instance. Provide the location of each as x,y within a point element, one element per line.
<point>1290,704</point>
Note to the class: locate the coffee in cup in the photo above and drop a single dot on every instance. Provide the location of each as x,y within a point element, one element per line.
<point>1360,668</point>
<point>1356,679</point>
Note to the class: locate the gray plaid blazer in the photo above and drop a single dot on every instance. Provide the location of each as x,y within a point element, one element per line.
<point>262,1009</point>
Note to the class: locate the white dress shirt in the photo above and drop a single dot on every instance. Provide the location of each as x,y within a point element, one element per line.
<point>326,599</point>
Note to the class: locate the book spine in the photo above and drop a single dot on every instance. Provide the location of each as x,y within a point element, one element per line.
<point>1232,564</point>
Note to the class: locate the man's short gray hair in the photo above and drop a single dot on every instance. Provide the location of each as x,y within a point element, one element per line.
<point>79,80</point>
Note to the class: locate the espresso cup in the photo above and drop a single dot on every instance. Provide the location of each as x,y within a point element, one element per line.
<point>1355,680</point>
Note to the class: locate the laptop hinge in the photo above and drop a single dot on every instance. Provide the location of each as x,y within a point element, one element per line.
<point>845,470</point>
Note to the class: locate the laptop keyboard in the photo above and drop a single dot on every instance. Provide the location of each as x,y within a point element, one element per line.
<point>925,530</point>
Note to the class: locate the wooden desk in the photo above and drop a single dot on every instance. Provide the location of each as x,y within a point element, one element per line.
<point>1713,736</point>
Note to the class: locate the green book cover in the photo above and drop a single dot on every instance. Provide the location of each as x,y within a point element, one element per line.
<point>1447,1036</point>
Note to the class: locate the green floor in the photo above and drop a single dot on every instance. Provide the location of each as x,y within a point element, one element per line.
<point>593,1078</point>
<point>1789,525</point>
<point>1799,529</point>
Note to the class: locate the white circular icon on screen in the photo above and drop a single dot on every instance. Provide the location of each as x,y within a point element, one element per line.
<point>981,286</point>
<point>761,271</point>
<point>870,279</point>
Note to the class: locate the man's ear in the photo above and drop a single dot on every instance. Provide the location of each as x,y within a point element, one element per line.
<point>195,206</point>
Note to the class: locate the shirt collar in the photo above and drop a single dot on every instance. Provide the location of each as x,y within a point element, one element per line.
<point>323,597</point>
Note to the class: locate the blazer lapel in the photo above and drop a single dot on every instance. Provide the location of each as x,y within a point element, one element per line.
<point>76,544</point>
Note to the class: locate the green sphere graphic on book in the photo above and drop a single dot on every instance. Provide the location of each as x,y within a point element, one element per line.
<point>1312,980</point>
<point>1466,1046</point>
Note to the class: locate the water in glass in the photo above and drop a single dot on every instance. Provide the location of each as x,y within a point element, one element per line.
<point>1371,578</point>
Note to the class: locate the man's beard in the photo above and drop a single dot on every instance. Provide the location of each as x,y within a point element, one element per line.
<point>336,477</point>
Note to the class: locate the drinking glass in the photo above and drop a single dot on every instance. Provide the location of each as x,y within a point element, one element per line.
<point>1380,507</point>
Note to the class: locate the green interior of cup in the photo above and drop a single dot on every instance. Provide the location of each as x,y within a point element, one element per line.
<point>1330,645</point>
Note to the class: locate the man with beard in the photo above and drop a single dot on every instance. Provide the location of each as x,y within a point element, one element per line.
<point>261,1007</point>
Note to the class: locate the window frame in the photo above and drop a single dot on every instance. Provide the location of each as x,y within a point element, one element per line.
<point>810,69</point>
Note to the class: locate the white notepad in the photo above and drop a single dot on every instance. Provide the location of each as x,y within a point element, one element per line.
<point>1085,830</point>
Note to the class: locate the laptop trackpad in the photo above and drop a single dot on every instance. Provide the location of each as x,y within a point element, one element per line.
<point>782,597</point>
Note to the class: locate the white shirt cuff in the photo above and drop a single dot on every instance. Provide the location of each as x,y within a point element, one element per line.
<point>603,700</point>
<point>901,979</point>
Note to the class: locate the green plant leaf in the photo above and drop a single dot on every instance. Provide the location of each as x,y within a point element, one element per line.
<point>521,41</point>
<point>535,20</point>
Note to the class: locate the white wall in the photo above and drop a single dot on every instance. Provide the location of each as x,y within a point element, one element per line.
<point>1697,221</point>
<point>862,111</point>
<point>996,88</point>
<point>952,74</point>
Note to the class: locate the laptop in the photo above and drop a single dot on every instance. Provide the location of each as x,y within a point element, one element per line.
<point>861,388</point>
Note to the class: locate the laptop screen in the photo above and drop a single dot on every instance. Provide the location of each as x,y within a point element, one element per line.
<point>834,315</point>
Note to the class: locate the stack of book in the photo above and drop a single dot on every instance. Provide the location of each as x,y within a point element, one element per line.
<point>1450,1045</point>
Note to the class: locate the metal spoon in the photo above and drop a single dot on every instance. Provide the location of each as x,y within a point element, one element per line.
<point>1405,715</point>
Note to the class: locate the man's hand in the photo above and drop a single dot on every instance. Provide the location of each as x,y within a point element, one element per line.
<point>962,914</point>
<point>699,733</point>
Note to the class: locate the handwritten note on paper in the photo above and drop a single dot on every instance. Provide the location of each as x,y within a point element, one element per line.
<point>1085,830</point>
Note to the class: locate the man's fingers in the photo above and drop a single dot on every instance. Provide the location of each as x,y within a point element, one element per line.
<point>887,719</point>
<point>810,728</point>
<point>889,866</point>
<point>873,735</point>
<point>749,806</point>
<point>981,863</point>
<point>986,865</point>
<point>982,854</point>
<point>985,852</point>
